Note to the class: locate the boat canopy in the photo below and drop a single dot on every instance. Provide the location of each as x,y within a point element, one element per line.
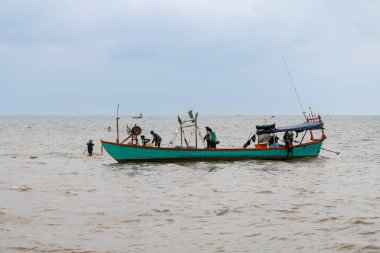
<point>313,125</point>
<point>265,127</point>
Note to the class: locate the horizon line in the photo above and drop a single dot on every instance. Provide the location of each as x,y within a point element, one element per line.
<point>154,115</point>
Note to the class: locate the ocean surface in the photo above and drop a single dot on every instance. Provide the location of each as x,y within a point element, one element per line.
<point>54,198</point>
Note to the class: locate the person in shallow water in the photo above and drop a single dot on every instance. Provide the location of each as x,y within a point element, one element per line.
<point>156,139</point>
<point>90,147</point>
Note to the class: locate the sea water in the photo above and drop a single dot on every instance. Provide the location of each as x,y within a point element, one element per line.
<point>54,198</point>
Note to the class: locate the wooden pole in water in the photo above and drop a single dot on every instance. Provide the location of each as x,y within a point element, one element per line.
<point>117,124</point>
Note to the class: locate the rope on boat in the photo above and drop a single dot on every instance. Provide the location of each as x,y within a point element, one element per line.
<point>335,152</point>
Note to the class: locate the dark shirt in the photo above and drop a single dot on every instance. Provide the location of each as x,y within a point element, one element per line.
<point>156,138</point>
<point>207,136</point>
<point>90,145</point>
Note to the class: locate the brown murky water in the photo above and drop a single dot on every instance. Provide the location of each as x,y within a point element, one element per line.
<point>54,199</point>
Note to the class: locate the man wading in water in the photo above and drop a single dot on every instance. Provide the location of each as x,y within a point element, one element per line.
<point>90,147</point>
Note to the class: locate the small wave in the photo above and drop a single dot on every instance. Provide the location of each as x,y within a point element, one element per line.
<point>222,211</point>
<point>237,210</point>
<point>213,169</point>
<point>24,249</point>
<point>253,235</point>
<point>361,222</point>
<point>276,238</point>
<point>265,192</point>
<point>48,248</point>
<point>304,192</point>
<point>144,214</point>
<point>130,221</point>
<point>343,228</point>
<point>21,188</point>
<point>68,173</point>
<point>326,219</point>
<point>346,246</point>
<point>370,248</point>
<point>69,193</point>
<point>285,211</point>
<point>224,233</point>
<point>369,232</point>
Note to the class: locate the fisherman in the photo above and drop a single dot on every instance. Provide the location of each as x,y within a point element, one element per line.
<point>288,139</point>
<point>156,139</point>
<point>90,147</point>
<point>212,139</point>
<point>273,143</point>
<point>144,140</point>
<point>207,137</point>
<point>253,139</point>
<point>109,129</point>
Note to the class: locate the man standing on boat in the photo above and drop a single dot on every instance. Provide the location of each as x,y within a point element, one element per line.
<point>212,139</point>
<point>144,140</point>
<point>207,137</point>
<point>288,139</point>
<point>156,139</point>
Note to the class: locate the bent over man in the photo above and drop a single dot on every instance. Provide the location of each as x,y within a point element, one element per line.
<point>156,139</point>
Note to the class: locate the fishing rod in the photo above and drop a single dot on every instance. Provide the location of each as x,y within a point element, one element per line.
<point>337,153</point>
<point>294,86</point>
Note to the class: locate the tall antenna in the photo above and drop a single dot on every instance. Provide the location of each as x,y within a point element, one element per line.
<point>295,89</point>
<point>117,124</point>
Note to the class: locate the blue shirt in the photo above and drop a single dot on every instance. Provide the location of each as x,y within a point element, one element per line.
<point>274,145</point>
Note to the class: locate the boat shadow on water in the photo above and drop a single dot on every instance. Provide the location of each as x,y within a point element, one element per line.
<point>214,166</point>
<point>211,166</point>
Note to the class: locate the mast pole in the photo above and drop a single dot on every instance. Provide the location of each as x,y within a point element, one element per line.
<point>196,131</point>
<point>180,126</point>
<point>117,124</point>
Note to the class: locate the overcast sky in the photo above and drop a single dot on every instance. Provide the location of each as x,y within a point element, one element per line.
<point>165,56</point>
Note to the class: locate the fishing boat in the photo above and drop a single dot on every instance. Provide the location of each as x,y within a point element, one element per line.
<point>266,146</point>
<point>138,116</point>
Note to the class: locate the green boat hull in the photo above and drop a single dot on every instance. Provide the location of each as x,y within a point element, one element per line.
<point>132,153</point>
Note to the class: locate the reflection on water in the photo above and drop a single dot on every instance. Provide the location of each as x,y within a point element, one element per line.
<point>55,199</point>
